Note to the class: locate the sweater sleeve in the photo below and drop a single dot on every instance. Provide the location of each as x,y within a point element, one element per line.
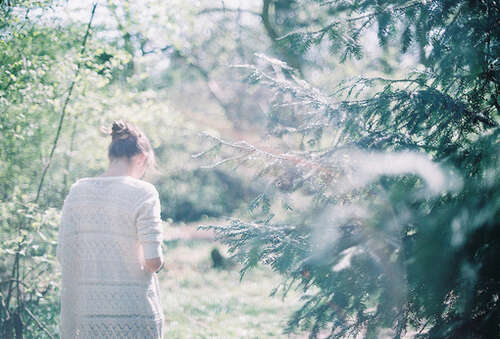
<point>60,237</point>
<point>149,226</point>
<point>64,219</point>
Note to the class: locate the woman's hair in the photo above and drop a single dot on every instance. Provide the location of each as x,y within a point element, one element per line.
<point>128,140</point>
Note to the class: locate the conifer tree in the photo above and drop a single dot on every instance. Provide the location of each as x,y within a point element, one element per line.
<point>385,212</point>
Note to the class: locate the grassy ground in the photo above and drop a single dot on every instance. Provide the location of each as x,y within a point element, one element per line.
<point>202,302</point>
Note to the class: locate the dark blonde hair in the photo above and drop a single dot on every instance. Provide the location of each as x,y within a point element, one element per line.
<point>128,140</point>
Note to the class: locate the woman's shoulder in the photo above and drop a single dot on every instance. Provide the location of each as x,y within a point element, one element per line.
<point>123,184</point>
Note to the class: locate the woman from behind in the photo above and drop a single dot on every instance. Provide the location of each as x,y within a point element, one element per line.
<point>110,246</point>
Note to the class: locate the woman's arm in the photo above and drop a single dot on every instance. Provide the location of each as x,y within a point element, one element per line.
<point>150,231</point>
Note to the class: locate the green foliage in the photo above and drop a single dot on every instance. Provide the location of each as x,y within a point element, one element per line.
<point>49,76</point>
<point>33,77</point>
<point>192,195</point>
<point>29,277</point>
<point>384,241</point>
<point>377,239</point>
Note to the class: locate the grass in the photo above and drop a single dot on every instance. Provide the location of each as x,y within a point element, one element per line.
<point>203,302</point>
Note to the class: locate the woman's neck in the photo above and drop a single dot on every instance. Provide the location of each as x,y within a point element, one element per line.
<point>118,168</point>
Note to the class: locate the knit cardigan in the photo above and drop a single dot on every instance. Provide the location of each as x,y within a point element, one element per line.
<point>109,225</point>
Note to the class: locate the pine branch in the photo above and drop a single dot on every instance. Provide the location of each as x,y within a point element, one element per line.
<point>291,59</point>
<point>371,15</point>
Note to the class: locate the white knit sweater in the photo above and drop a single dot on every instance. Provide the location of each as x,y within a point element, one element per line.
<point>109,225</point>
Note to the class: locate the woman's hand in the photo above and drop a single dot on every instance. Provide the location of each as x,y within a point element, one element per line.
<point>154,264</point>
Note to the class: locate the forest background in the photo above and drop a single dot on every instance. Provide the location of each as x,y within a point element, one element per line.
<point>344,152</point>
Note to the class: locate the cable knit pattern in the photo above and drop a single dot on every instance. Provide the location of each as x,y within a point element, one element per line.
<point>109,225</point>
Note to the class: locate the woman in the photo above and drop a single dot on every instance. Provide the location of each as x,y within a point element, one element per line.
<point>110,246</point>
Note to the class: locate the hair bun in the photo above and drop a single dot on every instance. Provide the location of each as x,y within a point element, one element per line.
<point>121,130</point>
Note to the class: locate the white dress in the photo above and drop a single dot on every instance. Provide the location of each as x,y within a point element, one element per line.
<point>109,225</point>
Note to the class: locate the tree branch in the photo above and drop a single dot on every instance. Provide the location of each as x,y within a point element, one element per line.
<point>232,10</point>
<point>349,20</point>
<point>65,105</point>
<point>213,87</point>
<point>43,328</point>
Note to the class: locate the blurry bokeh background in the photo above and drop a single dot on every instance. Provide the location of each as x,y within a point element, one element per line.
<point>346,152</point>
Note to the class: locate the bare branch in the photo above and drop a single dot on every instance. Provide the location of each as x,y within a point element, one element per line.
<point>230,10</point>
<point>223,161</point>
<point>66,102</point>
<point>43,328</point>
